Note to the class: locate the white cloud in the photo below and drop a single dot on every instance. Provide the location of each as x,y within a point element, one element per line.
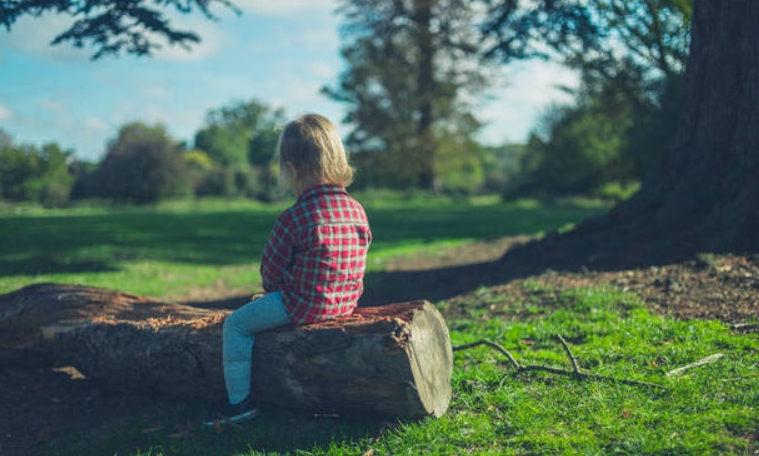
<point>211,40</point>
<point>96,124</point>
<point>5,113</point>
<point>285,7</point>
<point>530,89</point>
<point>538,83</point>
<point>322,70</point>
<point>35,34</point>
<point>56,107</point>
<point>154,90</point>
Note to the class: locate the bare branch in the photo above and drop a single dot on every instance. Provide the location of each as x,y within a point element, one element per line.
<point>571,357</point>
<point>575,372</point>
<point>494,346</point>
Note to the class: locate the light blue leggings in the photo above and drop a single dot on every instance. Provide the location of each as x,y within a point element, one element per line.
<point>240,328</point>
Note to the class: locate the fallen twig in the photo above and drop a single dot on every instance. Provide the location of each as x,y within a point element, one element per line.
<point>744,326</point>
<point>700,362</point>
<point>575,372</point>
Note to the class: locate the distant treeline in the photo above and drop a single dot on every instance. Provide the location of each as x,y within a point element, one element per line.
<point>232,156</point>
<point>585,152</point>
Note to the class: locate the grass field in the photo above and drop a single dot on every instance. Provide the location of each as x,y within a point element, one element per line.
<point>174,249</point>
<point>169,250</point>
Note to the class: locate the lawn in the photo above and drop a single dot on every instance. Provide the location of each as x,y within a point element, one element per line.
<point>208,247</point>
<point>177,250</point>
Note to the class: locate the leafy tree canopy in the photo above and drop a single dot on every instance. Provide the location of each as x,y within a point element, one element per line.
<point>115,26</point>
<point>411,67</point>
<point>28,173</point>
<point>241,133</point>
<point>597,36</point>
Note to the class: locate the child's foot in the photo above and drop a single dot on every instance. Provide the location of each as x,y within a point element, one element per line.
<point>233,413</point>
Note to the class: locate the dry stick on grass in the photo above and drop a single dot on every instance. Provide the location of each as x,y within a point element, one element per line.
<point>575,372</point>
<point>744,326</point>
<point>700,362</point>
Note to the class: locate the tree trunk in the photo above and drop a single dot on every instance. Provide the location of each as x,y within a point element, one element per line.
<point>425,92</point>
<point>391,360</point>
<point>704,194</point>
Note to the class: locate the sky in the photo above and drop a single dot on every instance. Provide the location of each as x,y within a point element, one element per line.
<point>277,52</point>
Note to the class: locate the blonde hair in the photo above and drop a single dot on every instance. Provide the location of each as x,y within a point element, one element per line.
<point>313,146</point>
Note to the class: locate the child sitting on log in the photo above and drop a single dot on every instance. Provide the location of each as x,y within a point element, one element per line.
<point>314,261</point>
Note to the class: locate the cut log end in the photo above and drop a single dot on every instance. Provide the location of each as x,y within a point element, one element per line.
<point>431,360</point>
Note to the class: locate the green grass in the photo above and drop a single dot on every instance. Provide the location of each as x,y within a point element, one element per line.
<point>181,248</point>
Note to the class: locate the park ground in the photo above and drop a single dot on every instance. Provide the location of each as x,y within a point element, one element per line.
<point>52,408</point>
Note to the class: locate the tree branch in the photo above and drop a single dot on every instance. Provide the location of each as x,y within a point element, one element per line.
<point>575,372</point>
<point>743,326</point>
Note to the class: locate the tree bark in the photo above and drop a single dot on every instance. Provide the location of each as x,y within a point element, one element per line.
<point>705,191</point>
<point>703,196</point>
<point>392,360</point>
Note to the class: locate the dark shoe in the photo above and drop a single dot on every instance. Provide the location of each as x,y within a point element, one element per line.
<point>233,413</point>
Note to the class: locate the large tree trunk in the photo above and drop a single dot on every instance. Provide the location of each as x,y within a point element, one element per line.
<point>391,360</point>
<point>704,194</point>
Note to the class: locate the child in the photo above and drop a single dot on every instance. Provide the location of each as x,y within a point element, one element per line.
<point>313,263</point>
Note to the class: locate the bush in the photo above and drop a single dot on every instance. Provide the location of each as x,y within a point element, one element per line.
<point>143,165</point>
<point>35,175</point>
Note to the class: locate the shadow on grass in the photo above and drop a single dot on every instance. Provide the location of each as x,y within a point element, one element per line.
<point>102,242</point>
<point>148,425</point>
<point>99,243</point>
<point>52,265</point>
<point>596,245</point>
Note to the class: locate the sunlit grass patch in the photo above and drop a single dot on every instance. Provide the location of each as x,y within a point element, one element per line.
<point>706,410</point>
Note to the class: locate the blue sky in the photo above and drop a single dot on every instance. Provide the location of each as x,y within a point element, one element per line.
<point>279,52</point>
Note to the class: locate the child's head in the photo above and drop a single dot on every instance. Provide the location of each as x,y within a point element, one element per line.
<point>312,147</point>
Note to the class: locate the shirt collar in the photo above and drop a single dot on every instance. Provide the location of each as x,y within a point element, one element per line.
<point>321,189</point>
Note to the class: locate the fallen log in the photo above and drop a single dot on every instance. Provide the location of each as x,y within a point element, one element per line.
<point>391,360</point>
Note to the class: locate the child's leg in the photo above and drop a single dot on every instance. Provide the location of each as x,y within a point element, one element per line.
<point>239,335</point>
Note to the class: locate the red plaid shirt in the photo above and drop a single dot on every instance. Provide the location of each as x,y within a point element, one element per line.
<point>316,255</point>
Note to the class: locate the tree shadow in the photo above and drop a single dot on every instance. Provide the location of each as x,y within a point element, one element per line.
<point>287,431</point>
<point>52,265</point>
<point>591,247</point>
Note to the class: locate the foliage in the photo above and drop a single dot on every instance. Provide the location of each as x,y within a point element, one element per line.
<point>240,140</point>
<point>38,175</point>
<point>240,133</point>
<point>583,151</point>
<point>115,26</point>
<point>411,65</point>
<point>501,166</point>
<point>143,165</point>
<point>84,179</point>
<point>596,36</point>
<point>5,139</point>
<point>631,55</point>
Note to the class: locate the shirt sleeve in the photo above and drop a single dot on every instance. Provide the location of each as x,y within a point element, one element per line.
<point>278,255</point>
